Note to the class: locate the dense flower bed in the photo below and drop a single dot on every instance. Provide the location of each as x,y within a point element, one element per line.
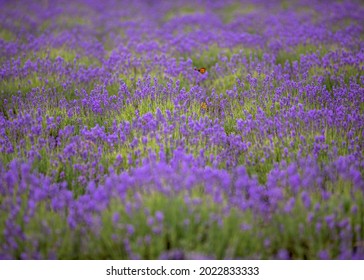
<point>113,146</point>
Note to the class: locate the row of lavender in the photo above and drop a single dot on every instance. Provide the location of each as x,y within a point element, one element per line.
<point>107,152</point>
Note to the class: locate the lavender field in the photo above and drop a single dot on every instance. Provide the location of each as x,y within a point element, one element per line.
<point>114,146</point>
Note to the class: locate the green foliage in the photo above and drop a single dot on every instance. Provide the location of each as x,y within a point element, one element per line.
<point>6,35</point>
<point>297,51</point>
<point>229,12</point>
<point>182,11</point>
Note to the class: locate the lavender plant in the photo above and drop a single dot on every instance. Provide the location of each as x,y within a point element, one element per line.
<point>112,145</point>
